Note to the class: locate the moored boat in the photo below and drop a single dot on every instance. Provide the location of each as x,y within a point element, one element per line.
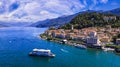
<point>107,49</point>
<point>117,50</point>
<point>41,52</point>
<point>81,46</point>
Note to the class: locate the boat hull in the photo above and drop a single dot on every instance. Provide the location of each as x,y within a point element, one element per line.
<point>42,55</point>
<point>80,46</point>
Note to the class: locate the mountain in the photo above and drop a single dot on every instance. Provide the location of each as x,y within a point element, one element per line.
<point>93,19</point>
<point>57,22</point>
<point>114,11</point>
<point>54,22</point>
<point>11,24</point>
<point>2,25</point>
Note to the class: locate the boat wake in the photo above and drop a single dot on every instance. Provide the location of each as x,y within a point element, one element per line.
<point>64,50</point>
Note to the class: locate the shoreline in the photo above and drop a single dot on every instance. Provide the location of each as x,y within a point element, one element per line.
<point>73,44</point>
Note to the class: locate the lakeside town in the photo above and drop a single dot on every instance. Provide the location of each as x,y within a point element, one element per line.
<point>92,37</point>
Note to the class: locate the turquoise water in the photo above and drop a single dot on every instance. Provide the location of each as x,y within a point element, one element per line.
<point>16,43</point>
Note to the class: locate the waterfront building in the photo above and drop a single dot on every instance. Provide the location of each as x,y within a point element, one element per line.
<point>48,32</point>
<point>62,36</point>
<point>58,35</point>
<point>81,37</point>
<point>105,39</point>
<point>92,34</point>
<point>71,36</point>
<point>55,33</point>
<point>93,41</point>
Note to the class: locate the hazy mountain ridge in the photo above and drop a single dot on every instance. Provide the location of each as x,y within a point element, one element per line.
<point>54,22</point>
<point>114,11</point>
<point>64,20</point>
<point>58,21</point>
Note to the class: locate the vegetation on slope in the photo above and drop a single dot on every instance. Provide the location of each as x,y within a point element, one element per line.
<point>93,19</point>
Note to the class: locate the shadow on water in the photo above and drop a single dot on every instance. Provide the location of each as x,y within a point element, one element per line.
<point>38,58</point>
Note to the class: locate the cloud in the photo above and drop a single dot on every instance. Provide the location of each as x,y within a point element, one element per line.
<point>35,10</point>
<point>104,1</point>
<point>94,2</point>
<point>84,2</point>
<point>38,10</point>
<point>1,3</point>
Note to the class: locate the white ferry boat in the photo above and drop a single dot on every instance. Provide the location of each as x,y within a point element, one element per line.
<point>41,52</point>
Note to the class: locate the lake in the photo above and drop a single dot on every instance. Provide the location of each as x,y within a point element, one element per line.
<point>17,42</point>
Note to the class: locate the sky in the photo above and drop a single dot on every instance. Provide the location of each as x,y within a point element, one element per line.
<point>38,10</point>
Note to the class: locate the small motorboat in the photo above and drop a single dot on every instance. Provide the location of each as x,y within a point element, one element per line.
<point>42,53</point>
<point>107,49</point>
<point>81,46</point>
